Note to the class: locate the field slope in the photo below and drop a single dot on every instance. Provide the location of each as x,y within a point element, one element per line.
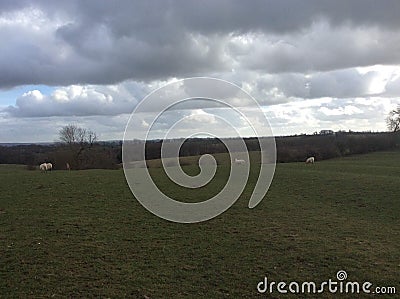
<point>82,234</point>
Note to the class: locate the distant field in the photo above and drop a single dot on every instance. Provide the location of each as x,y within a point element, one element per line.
<point>82,234</point>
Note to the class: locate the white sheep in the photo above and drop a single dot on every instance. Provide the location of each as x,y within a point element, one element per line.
<point>310,160</point>
<point>43,167</point>
<point>46,166</point>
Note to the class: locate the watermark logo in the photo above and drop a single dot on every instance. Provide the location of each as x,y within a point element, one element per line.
<point>197,108</point>
<point>332,286</point>
<point>341,275</point>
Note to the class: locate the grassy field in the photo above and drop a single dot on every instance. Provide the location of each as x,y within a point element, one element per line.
<point>82,234</point>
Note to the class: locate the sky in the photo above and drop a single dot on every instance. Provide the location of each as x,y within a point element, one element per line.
<point>311,65</point>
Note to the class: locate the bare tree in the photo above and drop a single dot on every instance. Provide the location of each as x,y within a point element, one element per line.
<point>393,120</point>
<point>68,134</point>
<point>72,134</point>
<point>91,137</point>
<point>78,140</point>
<point>82,136</point>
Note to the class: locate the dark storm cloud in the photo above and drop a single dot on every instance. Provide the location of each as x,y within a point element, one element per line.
<point>102,42</point>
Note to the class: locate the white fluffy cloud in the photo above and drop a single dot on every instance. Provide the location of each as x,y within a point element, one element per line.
<point>76,100</point>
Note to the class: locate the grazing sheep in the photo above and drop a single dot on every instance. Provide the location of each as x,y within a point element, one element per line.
<point>310,160</point>
<point>239,161</point>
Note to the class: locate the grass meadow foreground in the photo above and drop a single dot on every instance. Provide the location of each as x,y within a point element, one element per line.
<point>82,234</point>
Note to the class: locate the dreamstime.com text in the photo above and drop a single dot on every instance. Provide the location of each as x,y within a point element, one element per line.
<point>339,286</point>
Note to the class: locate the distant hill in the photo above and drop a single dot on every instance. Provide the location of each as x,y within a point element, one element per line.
<point>108,154</point>
<point>26,143</point>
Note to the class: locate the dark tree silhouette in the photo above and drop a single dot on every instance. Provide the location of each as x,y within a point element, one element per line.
<point>72,134</point>
<point>78,141</point>
<point>393,120</point>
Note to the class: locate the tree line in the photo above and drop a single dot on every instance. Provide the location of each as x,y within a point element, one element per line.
<point>87,152</point>
<point>295,148</point>
<point>80,148</point>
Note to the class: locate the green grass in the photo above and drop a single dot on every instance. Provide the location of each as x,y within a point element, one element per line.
<point>82,234</point>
